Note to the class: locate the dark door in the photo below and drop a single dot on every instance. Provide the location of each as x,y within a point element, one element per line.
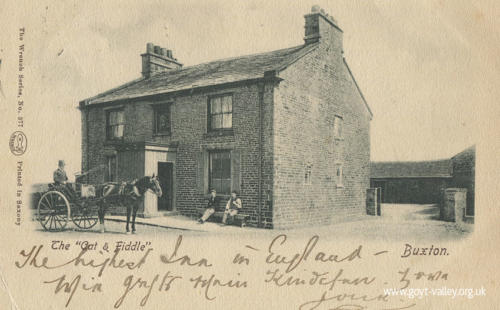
<point>381,185</point>
<point>165,176</point>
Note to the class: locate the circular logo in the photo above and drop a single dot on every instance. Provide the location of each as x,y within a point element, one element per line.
<point>18,143</point>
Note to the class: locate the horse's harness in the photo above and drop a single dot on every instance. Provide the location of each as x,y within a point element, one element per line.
<point>133,190</point>
<point>124,189</point>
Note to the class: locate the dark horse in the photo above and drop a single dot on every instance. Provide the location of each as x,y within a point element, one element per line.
<point>129,194</point>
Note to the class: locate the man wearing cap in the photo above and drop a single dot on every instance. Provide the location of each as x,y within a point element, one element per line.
<point>60,179</point>
<point>232,207</point>
<point>60,176</point>
<point>210,208</point>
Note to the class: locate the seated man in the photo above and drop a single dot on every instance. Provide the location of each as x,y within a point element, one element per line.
<point>60,179</point>
<point>232,207</point>
<point>210,208</point>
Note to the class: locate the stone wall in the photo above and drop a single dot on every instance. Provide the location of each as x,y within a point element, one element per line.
<point>315,89</point>
<point>464,174</point>
<point>190,138</point>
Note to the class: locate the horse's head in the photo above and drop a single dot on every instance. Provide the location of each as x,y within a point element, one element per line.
<point>154,185</point>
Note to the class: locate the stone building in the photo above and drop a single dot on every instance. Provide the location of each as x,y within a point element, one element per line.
<point>411,182</point>
<point>425,181</point>
<point>464,174</point>
<point>288,129</point>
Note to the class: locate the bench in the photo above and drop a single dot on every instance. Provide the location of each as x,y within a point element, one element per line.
<point>239,219</point>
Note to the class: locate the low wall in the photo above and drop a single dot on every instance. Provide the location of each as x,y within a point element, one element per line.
<point>452,208</point>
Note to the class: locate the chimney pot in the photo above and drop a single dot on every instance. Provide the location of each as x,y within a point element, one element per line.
<point>315,29</point>
<point>149,48</point>
<point>158,59</point>
<point>157,50</point>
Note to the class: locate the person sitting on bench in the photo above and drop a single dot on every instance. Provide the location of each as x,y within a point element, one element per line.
<point>210,208</point>
<point>232,207</point>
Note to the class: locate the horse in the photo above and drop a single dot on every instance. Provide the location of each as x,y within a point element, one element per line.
<point>128,193</point>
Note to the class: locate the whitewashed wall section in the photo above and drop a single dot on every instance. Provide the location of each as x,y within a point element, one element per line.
<point>154,155</point>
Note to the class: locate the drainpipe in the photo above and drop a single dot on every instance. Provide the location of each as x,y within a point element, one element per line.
<point>87,114</point>
<point>88,141</point>
<point>261,157</point>
<point>85,109</point>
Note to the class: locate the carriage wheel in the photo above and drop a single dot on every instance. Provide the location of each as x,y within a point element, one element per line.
<point>83,216</point>
<point>53,211</point>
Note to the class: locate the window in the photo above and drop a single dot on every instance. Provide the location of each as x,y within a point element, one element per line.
<point>337,127</point>
<point>220,110</point>
<point>307,175</point>
<point>111,169</point>
<point>339,175</point>
<point>115,123</point>
<point>220,171</point>
<point>162,119</point>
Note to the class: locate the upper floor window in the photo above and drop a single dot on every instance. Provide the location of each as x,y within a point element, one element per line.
<point>220,171</point>
<point>220,110</point>
<point>338,124</point>
<point>162,123</point>
<point>115,124</point>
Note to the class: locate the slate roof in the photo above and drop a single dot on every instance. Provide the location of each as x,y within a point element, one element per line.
<point>206,74</point>
<point>408,169</point>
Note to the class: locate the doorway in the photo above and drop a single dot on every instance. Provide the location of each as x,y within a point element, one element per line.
<point>382,186</point>
<point>165,176</point>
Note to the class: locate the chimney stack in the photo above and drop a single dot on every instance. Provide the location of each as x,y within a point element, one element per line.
<point>321,27</point>
<point>158,59</point>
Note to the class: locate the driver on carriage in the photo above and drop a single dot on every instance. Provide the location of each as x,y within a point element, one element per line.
<point>60,179</point>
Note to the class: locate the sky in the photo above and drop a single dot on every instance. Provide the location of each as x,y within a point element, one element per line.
<point>425,67</point>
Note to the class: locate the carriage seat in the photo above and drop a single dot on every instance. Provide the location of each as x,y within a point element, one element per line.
<point>68,189</point>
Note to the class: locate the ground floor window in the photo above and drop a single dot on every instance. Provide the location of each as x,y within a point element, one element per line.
<point>339,175</point>
<point>111,168</point>
<point>220,171</point>
<point>307,174</point>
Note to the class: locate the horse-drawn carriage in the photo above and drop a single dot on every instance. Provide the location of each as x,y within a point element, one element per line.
<point>85,204</point>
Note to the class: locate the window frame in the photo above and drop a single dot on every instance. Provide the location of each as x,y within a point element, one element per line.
<point>209,112</point>
<point>308,174</point>
<point>339,180</point>
<point>162,107</point>
<point>111,177</point>
<point>338,127</point>
<point>210,169</point>
<point>109,136</point>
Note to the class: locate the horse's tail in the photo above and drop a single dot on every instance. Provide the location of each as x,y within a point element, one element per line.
<point>98,190</point>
